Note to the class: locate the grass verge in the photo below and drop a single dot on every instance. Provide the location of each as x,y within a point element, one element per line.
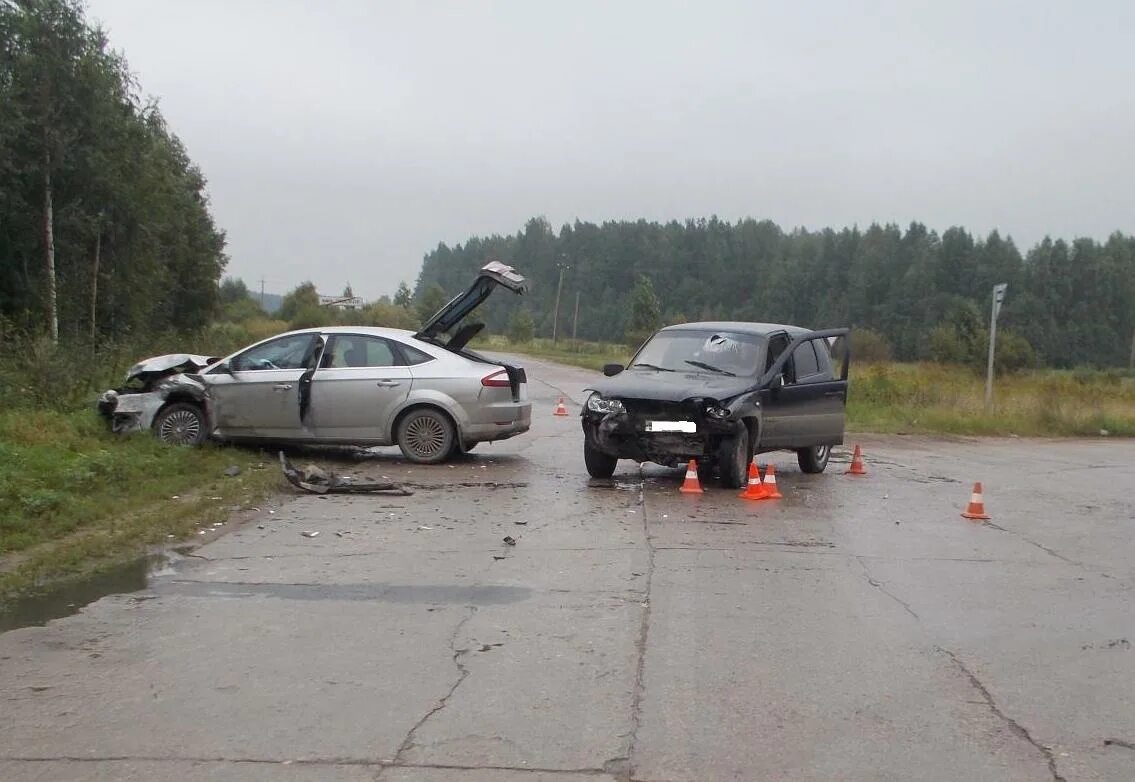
<point>74,497</point>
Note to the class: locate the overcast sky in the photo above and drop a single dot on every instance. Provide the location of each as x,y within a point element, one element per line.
<point>343,139</point>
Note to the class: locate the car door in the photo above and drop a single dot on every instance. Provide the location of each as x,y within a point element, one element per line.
<point>807,409</point>
<point>776,406</point>
<point>357,388</point>
<point>259,394</point>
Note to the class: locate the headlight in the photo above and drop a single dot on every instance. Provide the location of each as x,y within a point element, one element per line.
<point>597,404</point>
<point>719,413</point>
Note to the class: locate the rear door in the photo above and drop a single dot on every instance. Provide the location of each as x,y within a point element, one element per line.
<point>360,382</point>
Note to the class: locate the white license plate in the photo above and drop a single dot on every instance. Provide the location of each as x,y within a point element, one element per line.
<point>689,427</point>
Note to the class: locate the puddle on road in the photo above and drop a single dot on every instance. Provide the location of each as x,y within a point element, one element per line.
<point>68,597</point>
<point>390,593</point>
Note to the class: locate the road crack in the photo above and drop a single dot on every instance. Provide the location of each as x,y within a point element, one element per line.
<point>462,675</point>
<point>1014,726</point>
<point>879,585</point>
<point>1045,549</point>
<point>623,765</point>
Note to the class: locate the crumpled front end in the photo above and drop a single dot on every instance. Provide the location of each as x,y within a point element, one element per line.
<point>660,432</point>
<point>129,410</point>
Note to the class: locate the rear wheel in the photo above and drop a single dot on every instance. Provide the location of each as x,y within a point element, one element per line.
<point>426,436</point>
<point>814,459</point>
<point>181,424</point>
<point>599,464</point>
<point>733,460</point>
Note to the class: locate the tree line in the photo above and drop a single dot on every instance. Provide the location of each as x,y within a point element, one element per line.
<point>912,293</point>
<point>105,228</point>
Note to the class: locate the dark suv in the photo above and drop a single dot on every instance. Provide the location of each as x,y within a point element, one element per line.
<point>719,393</point>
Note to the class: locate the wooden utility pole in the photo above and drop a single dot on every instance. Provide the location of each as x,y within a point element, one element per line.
<point>261,293</point>
<point>49,251</point>
<point>575,320</point>
<point>559,290</point>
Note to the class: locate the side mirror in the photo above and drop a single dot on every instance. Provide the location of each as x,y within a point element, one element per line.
<point>777,382</point>
<point>610,370</point>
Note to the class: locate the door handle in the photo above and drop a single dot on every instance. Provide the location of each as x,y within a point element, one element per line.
<point>282,387</point>
<point>834,393</point>
<point>387,383</point>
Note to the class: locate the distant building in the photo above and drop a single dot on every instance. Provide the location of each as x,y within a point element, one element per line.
<point>342,302</point>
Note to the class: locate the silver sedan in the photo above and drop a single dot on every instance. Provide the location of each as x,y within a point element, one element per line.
<point>340,385</point>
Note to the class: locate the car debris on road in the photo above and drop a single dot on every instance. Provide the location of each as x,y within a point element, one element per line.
<point>318,481</point>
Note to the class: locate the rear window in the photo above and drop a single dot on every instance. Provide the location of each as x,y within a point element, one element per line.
<point>415,356</point>
<point>805,360</point>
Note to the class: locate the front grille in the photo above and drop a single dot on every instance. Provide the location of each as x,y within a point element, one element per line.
<point>654,409</point>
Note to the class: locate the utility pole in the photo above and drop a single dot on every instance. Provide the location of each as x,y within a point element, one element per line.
<point>575,320</point>
<point>261,293</point>
<point>998,297</point>
<point>559,290</point>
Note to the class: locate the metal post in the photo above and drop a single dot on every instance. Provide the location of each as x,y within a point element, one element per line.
<point>575,321</point>
<point>998,297</point>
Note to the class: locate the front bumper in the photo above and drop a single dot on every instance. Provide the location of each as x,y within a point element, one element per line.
<point>129,412</point>
<point>624,436</point>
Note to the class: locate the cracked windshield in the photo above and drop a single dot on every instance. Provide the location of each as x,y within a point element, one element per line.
<point>576,392</point>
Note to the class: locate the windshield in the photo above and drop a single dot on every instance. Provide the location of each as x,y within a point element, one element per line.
<point>715,352</point>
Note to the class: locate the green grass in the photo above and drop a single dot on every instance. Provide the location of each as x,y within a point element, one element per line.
<point>74,496</point>
<point>937,399</point>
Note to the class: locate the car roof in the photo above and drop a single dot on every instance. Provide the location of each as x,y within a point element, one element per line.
<point>376,331</point>
<point>737,326</point>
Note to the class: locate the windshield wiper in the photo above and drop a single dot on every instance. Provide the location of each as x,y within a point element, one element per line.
<point>652,366</point>
<point>710,367</point>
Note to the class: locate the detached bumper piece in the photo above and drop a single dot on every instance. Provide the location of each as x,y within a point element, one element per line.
<point>317,481</point>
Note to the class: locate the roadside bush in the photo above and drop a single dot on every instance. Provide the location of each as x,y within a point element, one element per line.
<point>869,346</point>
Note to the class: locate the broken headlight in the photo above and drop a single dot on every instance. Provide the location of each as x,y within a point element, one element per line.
<point>597,404</point>
<point>716,412</point>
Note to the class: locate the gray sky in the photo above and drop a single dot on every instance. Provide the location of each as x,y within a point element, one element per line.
<point>344,139</point>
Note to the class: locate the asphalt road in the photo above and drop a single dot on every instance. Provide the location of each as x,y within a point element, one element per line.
<point>857,629</point>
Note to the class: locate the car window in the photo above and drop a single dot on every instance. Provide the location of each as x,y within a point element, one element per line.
<point>682,350</point>
<point>414,356</point>
<point>804,362</point>
<point>287,352</point>
<point>356,350</point>
<point>776,345</point>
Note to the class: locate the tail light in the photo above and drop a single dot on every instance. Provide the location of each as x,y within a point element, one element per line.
<point>496,380</point>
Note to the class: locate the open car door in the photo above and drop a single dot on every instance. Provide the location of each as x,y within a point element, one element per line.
<point>804,392</point>
<point>491,275</point>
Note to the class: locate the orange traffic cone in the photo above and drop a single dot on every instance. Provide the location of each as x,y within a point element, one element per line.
<point>857,467</point>
<point>769,485</point>
<point>560,409</point>
<point>754,490</point>
<point>976,507</point>
<point>691,485</point>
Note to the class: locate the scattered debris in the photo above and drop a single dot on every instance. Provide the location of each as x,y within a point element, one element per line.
<point>175,497</point>
<point>1119,743</point>
<point>318,481</point>
<point>488,647</point>
<point>310,533</point>
<point>509,540</point>
<point>233,471</point>
<point>259,526</point>
<point>216,498</point>
<point>495,556</point>
<point>424,527</point>
<point>521,523</point>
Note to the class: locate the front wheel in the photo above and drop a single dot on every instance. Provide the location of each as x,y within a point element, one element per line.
<point>599,464</point>
<point>815,459</point>
<point>181,424</point>
<point>733,460</point>
<point>426,436</point>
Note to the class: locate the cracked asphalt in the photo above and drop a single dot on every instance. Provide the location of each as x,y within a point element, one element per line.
<point>858,629</point>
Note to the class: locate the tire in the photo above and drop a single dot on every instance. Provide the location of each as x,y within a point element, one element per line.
<point>467,447</point>
<point>181,424</point>
<point>426,435</point>
<point>733,460</point>
<point>815,459</point>
<point>599,464</point>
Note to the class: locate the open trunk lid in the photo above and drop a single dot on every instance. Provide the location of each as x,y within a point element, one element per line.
<point>491,275</point>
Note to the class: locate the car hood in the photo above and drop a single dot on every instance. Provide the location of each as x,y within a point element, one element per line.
<point>491,275</point>
<point>671,386</point>
<point>182,362</point>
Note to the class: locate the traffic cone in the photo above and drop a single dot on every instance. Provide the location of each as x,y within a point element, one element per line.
<point>857,467</point>
<point>976,508</point>
<point>754,489</point>
<point>691,485</point>
<point>560,409</point>
<point>769,484</point>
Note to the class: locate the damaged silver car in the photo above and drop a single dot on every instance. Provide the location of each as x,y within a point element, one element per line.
<point>347,385</point>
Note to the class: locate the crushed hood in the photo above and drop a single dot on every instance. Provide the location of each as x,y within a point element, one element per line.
<point>172,362</point>
<point>491,275</point>
<point>671,386</point>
